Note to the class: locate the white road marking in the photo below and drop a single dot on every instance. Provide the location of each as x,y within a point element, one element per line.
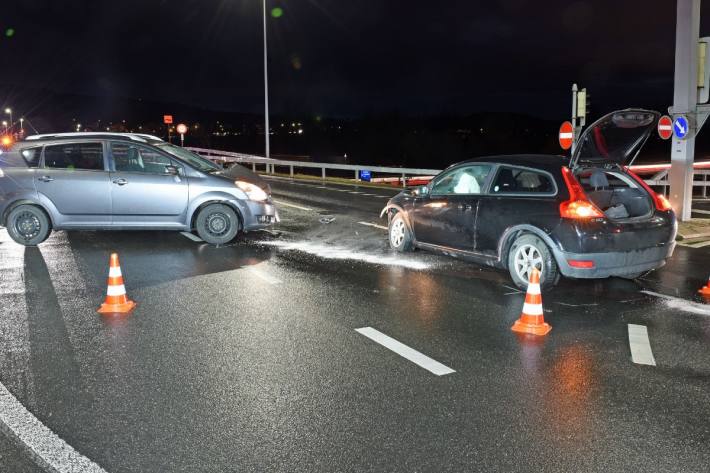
<point>681,304</point>
<point>354,192</point>
<point>382,196</point>
<point>50,450</point>
<point>373,225</point>
<point>192,237</point>
<point>406,352</point>
<point>264,276</point>
<point>641,353</point>
<point>281,202</point>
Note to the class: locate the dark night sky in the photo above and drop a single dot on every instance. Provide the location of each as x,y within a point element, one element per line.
<point>348,58</point>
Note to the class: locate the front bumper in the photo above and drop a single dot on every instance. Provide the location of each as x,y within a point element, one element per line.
<point>619,263</point>
<point>259,215</point>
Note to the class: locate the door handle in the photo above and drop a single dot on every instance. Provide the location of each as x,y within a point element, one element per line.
<point>45,179</point>
<point>120,182</point>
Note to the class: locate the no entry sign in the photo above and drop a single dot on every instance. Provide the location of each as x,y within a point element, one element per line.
<point>566,135</point>
<point>665,127</point>
<point>167,119</point>
<point>181,128</point>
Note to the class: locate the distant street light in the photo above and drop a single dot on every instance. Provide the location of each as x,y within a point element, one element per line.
<point>8,111</point>
<point>266,90</point>
<point>4,124</point>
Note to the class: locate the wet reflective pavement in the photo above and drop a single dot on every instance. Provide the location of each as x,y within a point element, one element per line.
<point>246,358</point>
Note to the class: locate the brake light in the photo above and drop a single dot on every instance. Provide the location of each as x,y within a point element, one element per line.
<point>659,200</point>
<point>578,206</point>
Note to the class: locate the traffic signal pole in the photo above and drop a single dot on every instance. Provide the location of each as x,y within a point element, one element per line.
<point>685,100</point>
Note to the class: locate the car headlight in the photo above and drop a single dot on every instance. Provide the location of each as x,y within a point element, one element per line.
<point>252,191</point>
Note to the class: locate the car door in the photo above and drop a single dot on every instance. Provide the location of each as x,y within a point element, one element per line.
<point>144,192</point>
<point>517,196</point>
<point>446,215</point>
<point>74,180</point>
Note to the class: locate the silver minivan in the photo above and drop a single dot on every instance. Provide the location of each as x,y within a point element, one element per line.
<point>125,181</point>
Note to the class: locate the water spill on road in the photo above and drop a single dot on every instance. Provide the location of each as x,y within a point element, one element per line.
<point>336,252</point>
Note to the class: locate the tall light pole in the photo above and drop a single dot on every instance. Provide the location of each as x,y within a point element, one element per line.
<point>266,90</point>
<point>22,128</point>
<point>8,111</point>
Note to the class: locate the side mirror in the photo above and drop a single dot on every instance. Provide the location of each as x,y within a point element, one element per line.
<point>172,170</point>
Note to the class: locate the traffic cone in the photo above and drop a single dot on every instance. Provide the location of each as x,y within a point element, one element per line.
<point>117,301</point>
<point>532,319</point>
<point>705,290</point>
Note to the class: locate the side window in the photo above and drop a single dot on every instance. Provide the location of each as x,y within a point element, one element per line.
<point>463,180</point>
<point>75,156</point>
<point>31,156</point>
<point>522,181</point>
<point>129,157</point>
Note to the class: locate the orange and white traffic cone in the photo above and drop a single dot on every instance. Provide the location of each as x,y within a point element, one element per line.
<point>532,319</point>
<point>117,301</point>
<point>705,290</point>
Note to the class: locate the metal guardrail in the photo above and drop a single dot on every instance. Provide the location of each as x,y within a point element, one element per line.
<point>271,164</point>
<point>659,179</point>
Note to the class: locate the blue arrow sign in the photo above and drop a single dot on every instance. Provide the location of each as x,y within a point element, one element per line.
<point>680,127</point>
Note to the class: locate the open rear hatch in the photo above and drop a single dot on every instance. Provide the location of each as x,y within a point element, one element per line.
<point>599,161</point>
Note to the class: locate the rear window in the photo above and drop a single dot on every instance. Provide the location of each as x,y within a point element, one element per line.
<point>87,156</point>
<point>598,179</point>
<point>522,181</point>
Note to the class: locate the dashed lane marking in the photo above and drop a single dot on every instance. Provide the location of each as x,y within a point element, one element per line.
<point>192,237</point>
<point>404,351</point>
<point>373,225</point>
<point>281,202</point>
<point>264,276</point>
<point>53,453</point>
<point>641,353</point>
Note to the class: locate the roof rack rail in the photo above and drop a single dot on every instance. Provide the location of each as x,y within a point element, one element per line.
<point>140,137</point>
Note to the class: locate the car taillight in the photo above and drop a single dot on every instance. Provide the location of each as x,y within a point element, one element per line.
<point>659,200</point>
<point>578,206</point>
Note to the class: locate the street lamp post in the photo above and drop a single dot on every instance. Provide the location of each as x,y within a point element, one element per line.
<point>8,111</point>
<point>22,128</point>
<point>4,124</point>
<point>266,90</point>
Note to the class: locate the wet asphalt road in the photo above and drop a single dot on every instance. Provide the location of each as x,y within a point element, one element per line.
<point>246,358</point>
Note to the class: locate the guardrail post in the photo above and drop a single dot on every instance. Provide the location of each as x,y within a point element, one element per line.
<point>323,173</point>
<point>253,167</point>
<point>705,186</point>
<point>357,175</point>
<point>290,168</point>
<point>404,180</point>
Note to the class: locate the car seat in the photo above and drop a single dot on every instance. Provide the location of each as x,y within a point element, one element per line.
<point>601,195</point>
<point>135,162</point>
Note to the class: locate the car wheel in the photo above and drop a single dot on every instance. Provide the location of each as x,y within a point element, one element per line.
<point>529,251</point>
<point>399,235</point>
<point>28,225</point>
<point>217,224</point>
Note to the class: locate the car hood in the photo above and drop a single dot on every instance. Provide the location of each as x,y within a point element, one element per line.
<point>615,138</point>
<point>237,172</point>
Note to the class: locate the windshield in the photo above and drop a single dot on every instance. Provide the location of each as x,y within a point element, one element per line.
<point>194,160</point>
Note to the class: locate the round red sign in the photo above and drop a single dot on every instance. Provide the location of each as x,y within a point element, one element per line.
<point>665,127</point>
<point>181,128</point>
<point>566,135</point>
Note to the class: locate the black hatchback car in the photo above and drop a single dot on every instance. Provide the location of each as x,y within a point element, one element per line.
<point>587,216</point>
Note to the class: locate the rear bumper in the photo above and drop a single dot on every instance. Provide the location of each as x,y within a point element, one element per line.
<point>621,263</point>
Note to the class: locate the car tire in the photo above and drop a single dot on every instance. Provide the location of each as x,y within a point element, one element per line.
<point>529,248</point>
<point>28,225</point>
<point>400,237</point>
<point>217,224</point>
